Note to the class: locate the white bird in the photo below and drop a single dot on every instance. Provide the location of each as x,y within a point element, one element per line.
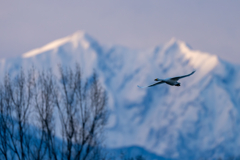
<point>170,81</point>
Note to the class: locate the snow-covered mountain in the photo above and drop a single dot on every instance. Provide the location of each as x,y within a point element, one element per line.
<point>199,119</point>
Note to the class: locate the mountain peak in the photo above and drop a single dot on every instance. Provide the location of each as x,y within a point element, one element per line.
<point>79,37</point>
<point>202,61</point>
<point>82,35</point>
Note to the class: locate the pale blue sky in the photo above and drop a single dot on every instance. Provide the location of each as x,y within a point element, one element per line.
<point>207,25</point>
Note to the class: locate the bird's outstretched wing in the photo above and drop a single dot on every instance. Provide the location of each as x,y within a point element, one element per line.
<point>152,84</point>
<point>179,77</point>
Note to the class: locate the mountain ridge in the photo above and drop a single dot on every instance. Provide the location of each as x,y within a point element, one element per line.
<point>197,118</point>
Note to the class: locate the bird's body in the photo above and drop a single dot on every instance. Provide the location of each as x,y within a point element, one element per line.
<point>170,81</point>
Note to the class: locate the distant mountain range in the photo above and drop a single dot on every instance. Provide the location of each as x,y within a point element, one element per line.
<point>199,119</point>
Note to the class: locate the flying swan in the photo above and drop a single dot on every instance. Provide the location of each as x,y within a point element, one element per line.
<point>170,81</point>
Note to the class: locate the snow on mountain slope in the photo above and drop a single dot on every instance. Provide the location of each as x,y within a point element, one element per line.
<point>199,119</point>
<point>78,47</point>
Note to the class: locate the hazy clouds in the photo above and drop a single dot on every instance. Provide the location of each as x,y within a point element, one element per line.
<point>211,26</point>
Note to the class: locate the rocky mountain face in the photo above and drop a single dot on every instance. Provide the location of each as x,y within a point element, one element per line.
<point>196,120</point>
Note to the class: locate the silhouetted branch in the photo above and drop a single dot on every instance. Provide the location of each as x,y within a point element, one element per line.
<point>31,105</point>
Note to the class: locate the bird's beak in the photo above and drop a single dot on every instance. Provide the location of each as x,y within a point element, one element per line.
<point>156,79</point>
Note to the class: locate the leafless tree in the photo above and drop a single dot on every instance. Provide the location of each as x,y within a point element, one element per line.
<point>15,97</point>
<point>31,105</point>
<point>4,149</point>
<point>44,92</point>
<point>82,110</point>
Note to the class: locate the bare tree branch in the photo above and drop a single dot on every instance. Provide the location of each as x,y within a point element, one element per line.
<point>40,99</point>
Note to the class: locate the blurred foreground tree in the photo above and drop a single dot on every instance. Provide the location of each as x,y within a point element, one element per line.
<point>45,117</point>
<point>15,102</point>
<point>82,110</point>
